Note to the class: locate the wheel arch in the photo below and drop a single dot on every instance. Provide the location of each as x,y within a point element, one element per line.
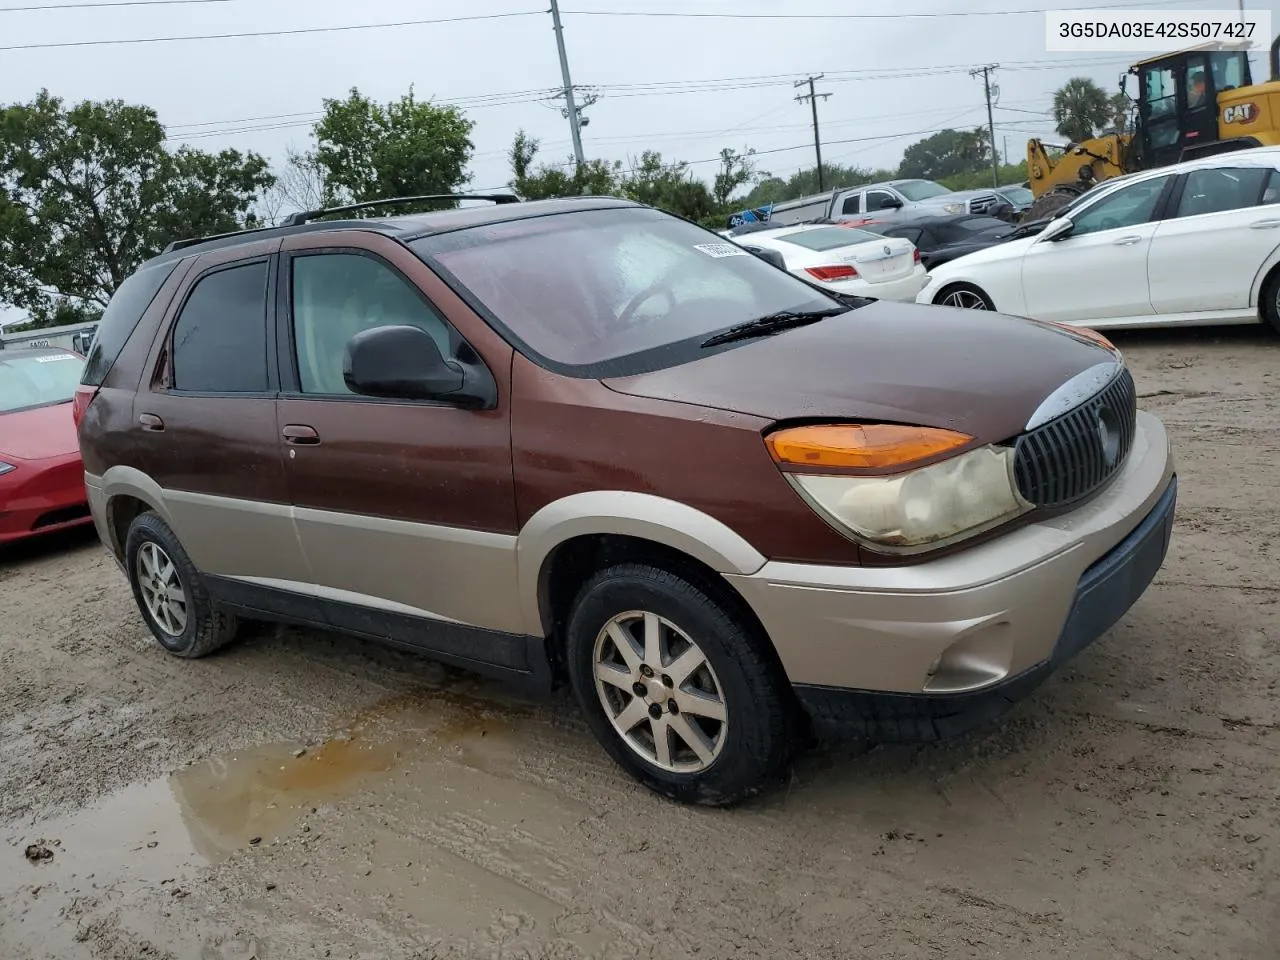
<point>618,518</point>
<point>128,492</point>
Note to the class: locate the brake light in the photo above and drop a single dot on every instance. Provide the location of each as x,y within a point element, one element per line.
<point>915,255</point>
<point>80,405</point>
<point>837,271</point>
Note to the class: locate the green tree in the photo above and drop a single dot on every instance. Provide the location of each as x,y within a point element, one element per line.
<point>1121,111</point>
<point>668,186</point>
<point>88,192</point>
<point>595,177</point>
<point>1080,107</point>
<point>946,153</point>
<point>371,151</point>
<point>804,183</point>
<point>736,170</point>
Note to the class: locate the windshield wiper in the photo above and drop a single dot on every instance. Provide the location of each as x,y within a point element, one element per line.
<point>772,323</point>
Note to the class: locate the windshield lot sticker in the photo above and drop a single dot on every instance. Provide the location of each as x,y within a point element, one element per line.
<point>721,250</point>
<point>61,356</point>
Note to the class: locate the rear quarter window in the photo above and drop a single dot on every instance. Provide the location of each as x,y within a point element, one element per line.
<point>121,318</point>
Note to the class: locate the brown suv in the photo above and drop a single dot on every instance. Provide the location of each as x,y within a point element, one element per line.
<point>582,438</point>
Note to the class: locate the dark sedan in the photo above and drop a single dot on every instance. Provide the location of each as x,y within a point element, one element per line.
<point>942,239</point>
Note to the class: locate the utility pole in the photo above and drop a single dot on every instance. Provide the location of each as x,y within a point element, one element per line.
<point>812,97</point>
<point>574,119</point>
<point>1006,151</point>
<point>991,124</point>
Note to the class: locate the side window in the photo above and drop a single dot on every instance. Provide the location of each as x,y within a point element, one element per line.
<point>1222,188</point>
<point>851,204</point>
<point>878,200</point>
<point>131,300</point>
<point>220,339</point>
<point>1271,193</point>
<point>336,296</point>
<point>1127,207</point>
<point>1161,88</point>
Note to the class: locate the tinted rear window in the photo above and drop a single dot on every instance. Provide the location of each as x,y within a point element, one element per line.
<point>121,318</point>
<point>220,338</point>
<point>829,238</point>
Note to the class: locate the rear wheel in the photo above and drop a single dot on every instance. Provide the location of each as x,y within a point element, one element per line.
<point>679,691</point>
<point>1271,301</point>
<point>170,593</point>
<point>966,296</point>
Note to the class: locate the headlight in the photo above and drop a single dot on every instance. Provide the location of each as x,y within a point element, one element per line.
<point>913,507</point>
<point>6,468</point>
<point>953,208</point>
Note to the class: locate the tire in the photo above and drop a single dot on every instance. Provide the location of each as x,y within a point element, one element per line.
<point>1271,301</point>
<point>156,560</point>
<point>964,296</point>
<point>1047,204</point>
<point>740,755</point>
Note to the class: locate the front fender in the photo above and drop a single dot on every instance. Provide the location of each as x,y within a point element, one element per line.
<point>622,513</point>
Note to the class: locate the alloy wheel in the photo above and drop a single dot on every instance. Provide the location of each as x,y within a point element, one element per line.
<point>162,590</point>
<point>660,692</point>
<point>965,299</point>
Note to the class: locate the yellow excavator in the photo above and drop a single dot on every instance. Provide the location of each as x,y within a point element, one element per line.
<point>1192,103</point>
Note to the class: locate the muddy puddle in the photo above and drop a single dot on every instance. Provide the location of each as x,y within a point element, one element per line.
<point>410,786</point>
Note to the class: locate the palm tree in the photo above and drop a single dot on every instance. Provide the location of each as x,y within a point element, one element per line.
<point>1080,106</point>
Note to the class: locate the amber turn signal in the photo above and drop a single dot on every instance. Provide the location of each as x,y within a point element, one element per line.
<point>1088,334</point>
<point>866,446</point>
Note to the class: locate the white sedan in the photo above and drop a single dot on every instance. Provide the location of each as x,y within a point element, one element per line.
<point>845,259</point>
<point>1193,243</point>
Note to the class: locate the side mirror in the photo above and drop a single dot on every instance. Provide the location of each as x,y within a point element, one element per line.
<point>770,256</point>
<point>1057,230</point>
<point>400,362</point>
<point>893,203</point>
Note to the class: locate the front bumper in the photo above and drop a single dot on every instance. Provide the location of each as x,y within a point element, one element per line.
<point>988,622</point>
<point>42,496</point>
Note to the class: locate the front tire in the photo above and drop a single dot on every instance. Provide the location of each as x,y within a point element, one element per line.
<point>679,690</point>
<point>965,296</point>
<point>170,593</point>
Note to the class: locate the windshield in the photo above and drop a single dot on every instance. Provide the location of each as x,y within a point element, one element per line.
<point>621,287</point>
<point>1016,195</point>
<point>38,380</point>
<point>829,238</point>
<point>920,189</point>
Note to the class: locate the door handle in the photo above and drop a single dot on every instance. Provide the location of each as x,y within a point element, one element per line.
<point>1127,241</point>
<point>300,434</point>
<point>1264,224</point>
<point>151,422</point>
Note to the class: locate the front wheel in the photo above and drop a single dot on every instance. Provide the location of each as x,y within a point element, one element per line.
<point>965,296</point>
<point>1271,302</point>
<point>678,689</point>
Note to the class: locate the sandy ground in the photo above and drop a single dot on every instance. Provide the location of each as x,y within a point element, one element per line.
<point>1131,808</point>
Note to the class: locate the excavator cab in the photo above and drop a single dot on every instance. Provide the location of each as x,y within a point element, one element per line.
<point>1178,102</point>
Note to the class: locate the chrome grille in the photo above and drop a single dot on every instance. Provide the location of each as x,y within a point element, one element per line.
<point>1073,455</point>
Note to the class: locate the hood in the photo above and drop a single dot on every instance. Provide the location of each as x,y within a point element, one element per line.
<point>981,373</point>
<point>996,251</point>
<point>39,433</point>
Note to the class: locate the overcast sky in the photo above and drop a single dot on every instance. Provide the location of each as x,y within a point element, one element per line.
<point>685,85</point>
<point>888,77</point>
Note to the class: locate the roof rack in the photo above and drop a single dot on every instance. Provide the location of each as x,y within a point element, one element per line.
<point>192,241</point>
<point>298,219</point>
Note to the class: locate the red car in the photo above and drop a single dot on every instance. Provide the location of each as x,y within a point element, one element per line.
<point>41,474</point>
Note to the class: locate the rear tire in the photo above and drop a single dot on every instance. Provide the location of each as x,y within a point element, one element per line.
<point>1271,301</point>
<point>170,593</point>
<point>651,655</point>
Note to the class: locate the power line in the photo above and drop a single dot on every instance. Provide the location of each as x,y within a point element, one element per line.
<point>272,33</point>
<point>107,3</point>
<point>700,15</point>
